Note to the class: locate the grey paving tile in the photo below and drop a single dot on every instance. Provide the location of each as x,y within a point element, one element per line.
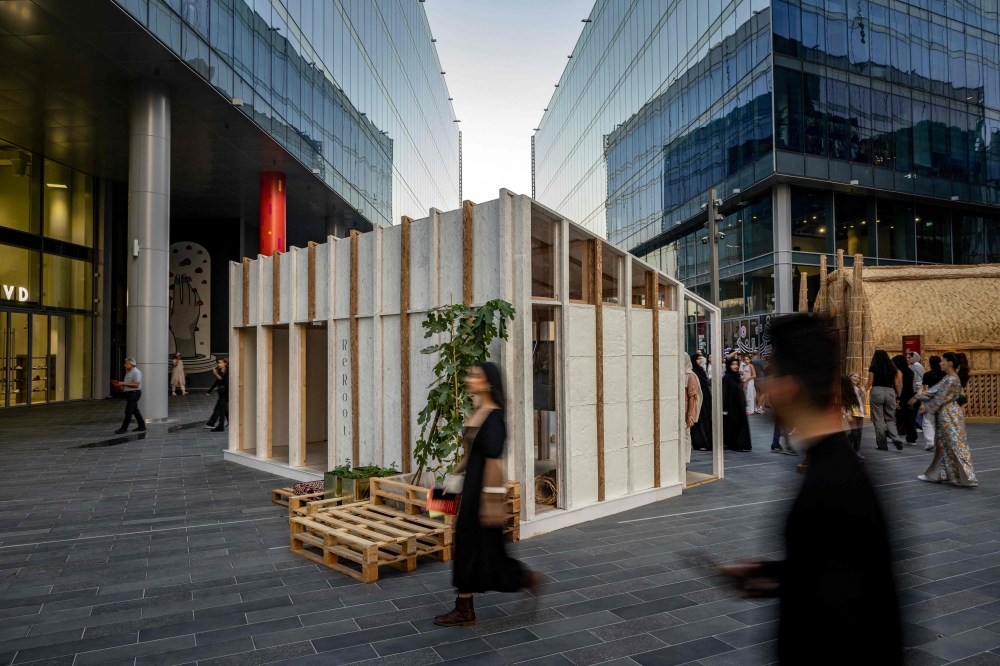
<point>683,653</point>
<point>420,641</point>
<point>610,650</point>
<point>340,641</point>
<point>759,633</point>
<point>509,622</point>
<point>956,623</point>
<point>649,623</point>
<point>157,632</point>
<point>304,634</point>
<point>548,646</point>
<point>982,659</point>
<point>703,611</point>
<point>963,645</point>
<point>472,647</point>
<point>261,656</point>
<point>49,650</point>
<point>197,653</point>
<point>695,630</point>
<point>754,655</point>
<point>578,623</point>
<point>164,646</point>
<point>668,604</point>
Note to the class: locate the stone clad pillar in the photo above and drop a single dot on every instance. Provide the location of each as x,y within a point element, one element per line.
<point>149,241</point>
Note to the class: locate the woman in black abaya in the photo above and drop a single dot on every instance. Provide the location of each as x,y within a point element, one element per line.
<point>701,431</point>
<point>735,425</point>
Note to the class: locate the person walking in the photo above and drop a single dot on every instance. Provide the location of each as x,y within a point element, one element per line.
<point>859,390</point>
<point>930,380</point>
<point>701,431</point>
<point>852,411</point>
<point>884,384</point>
<point>776,446</point>
<point>838,602</point>
<point>905,414</point>
<point>759,368</point>
<point>481,563</point>
<point>748,374</point>
<point>177,377</point>
<point>692,404</point>
<point>913,360</point>
<point>708,366</point>
<point>952,461</point>
<point>735,425</point>
<point>132,387</point>
<point>220,415</point>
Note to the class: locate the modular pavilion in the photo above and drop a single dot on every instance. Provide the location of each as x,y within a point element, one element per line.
<point>326,362</point>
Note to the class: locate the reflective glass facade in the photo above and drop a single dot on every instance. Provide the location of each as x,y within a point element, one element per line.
<point>353,89</point>
<point>878,121</point>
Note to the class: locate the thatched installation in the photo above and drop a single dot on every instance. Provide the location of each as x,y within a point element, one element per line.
<point>803,292</point>
<point>822,306</point>
<point>951,308</point>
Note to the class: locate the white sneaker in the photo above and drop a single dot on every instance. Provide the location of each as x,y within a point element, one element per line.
<point>929,447</point>
<point>924,478</point>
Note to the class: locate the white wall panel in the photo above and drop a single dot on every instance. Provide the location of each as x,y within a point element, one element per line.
<point>342,278</point>
<point>450,257</point>
<point>489,252</point>
<point>391,395</point>
<point>342,399</point>
<point>322,257</point>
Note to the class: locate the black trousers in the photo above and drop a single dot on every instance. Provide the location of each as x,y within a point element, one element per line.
<point>220,414</point>
<point>906,419</point>
<point>132,408</point>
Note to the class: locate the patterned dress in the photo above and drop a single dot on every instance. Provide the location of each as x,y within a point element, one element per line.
<point>952,461</point>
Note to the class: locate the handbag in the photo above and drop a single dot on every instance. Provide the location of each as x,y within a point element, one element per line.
<point>494,496</point>
<point>446,499</point>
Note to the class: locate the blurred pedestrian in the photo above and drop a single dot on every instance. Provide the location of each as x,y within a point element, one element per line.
<point>220,415</point>
<point>701,431</point>
<point>481,563</point>
<point>747,375</point>
<point>758,381</point>
<point>735,425</point>
<point>851,412</point>
<point>952,461</point>
<point>708,366</point>
<point>913,360</point>
<point>177,378</point>
<point>885,381</point>
<point>776,446</point>
<point>931,378</point>
<point>837,596</point>
<point>905,414</point>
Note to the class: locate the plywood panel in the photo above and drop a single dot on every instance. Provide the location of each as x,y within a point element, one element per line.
<point>248,363</point>
<point>421,374</point>
<point>369,396</point>
<point>423,261</point>
<point>254,300</point>
<point>343,398</point>
<point>279,388</point>
<point>342,279</point>
<point>450,257</point>
<point>391,391</point>
<point>489,253</point>
<point>266,291</point>
<point>322,285</point>
<point>367,273</point>
<point>390,270</point>
<point>301,284</point>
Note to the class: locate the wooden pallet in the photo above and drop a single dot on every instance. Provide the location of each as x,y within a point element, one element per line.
<point>371,534</point>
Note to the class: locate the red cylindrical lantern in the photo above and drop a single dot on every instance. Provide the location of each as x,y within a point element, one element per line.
<point>272,212</point>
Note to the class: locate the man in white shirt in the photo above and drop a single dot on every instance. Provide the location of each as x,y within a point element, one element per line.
<point>913,358</point>
<point>132,387</point>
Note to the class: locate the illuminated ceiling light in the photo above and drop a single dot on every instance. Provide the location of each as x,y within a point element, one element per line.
<point>814,217</point>
<point>58,186</point>
<point>822,230</point>
<point>918,219</point>
<point>863,222</point>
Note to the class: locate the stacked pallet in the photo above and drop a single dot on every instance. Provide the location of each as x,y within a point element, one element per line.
<point>391,528</point>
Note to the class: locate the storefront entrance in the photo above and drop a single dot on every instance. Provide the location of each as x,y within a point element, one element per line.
<point>44,358</point>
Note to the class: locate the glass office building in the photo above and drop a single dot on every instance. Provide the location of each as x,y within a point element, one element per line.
<point>354,90</point>
<point>864,126</point>
<point>346,99</point>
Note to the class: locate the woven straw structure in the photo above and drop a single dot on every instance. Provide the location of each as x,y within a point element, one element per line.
<point>854,360</point>
<point>821,306</point>
<point>803,293</point>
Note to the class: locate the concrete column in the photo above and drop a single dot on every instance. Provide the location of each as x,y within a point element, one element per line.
<point>784,299</point>
<point>149,241</point>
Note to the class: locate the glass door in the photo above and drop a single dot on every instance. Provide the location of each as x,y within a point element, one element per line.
<point>18,362</point>
<point>4,348</point>
<point>57,359</point>
<point>40,374</point>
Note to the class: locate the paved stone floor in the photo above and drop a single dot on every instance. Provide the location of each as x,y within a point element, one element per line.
<point>157,552</point>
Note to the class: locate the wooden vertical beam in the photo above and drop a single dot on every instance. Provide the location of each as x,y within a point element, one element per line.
<point>404,341</point>
<point>355,415</point>
<point>246,291</point>
<point>653,298</point>
<point>297,394</point>
<point>467,254</point>
<point>276,287</point>
<point>241,381</point>
<point>596,298</point>
<point>311,316</point>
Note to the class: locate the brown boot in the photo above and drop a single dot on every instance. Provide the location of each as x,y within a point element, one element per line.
<point>464,614</point>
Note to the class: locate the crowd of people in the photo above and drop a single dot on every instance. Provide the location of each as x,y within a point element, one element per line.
<point>901,398</point>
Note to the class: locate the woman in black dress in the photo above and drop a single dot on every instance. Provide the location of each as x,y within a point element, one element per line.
<point>220,415</point>
<point>735,425</point>
<point>906,416</point>
<point>480,559</point>
<point>701,431</point>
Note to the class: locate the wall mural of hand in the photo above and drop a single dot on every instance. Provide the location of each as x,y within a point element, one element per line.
<point>190,291</point>
<point>185,311</point>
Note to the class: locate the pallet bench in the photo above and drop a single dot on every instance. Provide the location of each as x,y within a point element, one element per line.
<point>391,528</point>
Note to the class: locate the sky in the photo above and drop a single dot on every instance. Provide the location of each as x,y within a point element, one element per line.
<point>502,60</point>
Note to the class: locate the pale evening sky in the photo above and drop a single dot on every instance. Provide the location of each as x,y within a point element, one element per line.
<point>502,60</point>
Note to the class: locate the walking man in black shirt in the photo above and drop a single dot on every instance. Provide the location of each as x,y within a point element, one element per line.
<point>838,599</point>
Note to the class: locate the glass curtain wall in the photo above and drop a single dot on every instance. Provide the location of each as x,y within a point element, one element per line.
<point>354,89</point>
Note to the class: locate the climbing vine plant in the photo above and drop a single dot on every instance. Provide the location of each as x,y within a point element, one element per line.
<point>466,334</point>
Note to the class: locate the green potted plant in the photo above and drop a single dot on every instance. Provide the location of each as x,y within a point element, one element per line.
<point>332,486</point>
<point>354,484</point>
<point>466,333</point>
